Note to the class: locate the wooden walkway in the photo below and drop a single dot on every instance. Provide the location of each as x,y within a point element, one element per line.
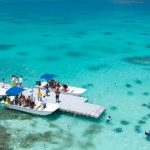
<point>72,104</point>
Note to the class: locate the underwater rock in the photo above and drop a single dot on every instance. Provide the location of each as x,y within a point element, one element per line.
<point>129,43</point>
<point>4,47</point>
<point>22,53</point>
<point>52,137</point>
<point>138,82</point>
<point>137,129</point>
<point>118,130</point>
<point>7,114</point>
<point>74,54</point>
<point>144,105</point>
<point>147,46</point>
<point>86,145</point>
<point>143,61</point>
<point>145,93</point>
<point>5,138</point>
<point>148,115</point>
<point>141,122</point>
<point>144,118</point>
<point>46,35</point>
<point>108,33</point>
<point>124,122</point>
<point>113,108</point>
<point>97,67</point>
<point>148,138</point>
<point>92,130</point>
<point>88,85</point>
<point>130,93</point>
<point>128,85</point>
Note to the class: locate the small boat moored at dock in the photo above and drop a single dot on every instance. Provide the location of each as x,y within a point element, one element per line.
<point>38,109</point>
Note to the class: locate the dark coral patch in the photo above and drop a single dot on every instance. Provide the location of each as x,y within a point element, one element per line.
<point>92,130</point>
<point>60,136</point>
<point>144,118</point>
<point>22,53</point>
<point>144,61</point>
<point>137,129</point>
<point>4,138</point>
<point>145,34</point>
<point>118,130</point>
<point>144,105</point>
<point>4,47</point>
<point>94,68</point>
<point>145,93</point>
<point>138,82</point>
<point>86,145</point>
<point>13,115</point>
<point>113,108</point>
<point>129,43</point>
<point>97,67</point>
<point>46,35</point>
<point>141,122</point>
<point>130,93</point>
<point>74,54</point>
<point>128,85</point>
<point>148,138</point>
<point>80,34</point>
<point>88,85</point>
<point>147,46</point>
<point>108,33</point>
<point>148,115</point>
<point>124,122</point>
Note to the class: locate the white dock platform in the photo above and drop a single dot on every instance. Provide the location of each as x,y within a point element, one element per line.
<point>71,104</point>
<point>74,104</point>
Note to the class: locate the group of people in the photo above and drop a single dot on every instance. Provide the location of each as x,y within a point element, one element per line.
<point>56,85</point>
<point>42,97</point>
<point>15,81</point>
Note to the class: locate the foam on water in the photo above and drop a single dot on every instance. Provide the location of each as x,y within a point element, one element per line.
<point>102,46</point>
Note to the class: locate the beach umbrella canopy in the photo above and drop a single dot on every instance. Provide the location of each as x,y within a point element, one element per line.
<point>47,76</point>
<point>14,91</point>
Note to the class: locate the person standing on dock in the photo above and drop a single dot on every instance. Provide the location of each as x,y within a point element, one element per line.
<point>13,80</point>
<point>17,81</point>
<point>39,95</point>
<point>20,81</point>
<point>57,92</point>
<point>3,83</point>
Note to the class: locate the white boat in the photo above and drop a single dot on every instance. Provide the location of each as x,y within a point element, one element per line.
<point>40,111</point>
<point>70,90</point>
<point>37,110</point>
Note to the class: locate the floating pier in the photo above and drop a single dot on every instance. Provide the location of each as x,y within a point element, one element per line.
<point>74,104</point>
<point>70,103</point>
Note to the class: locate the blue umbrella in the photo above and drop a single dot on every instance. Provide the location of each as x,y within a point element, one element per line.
<point>47,76</point>
<point>14,91</point>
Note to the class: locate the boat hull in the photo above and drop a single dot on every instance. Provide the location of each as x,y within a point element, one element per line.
<point>28,110</point>
<point>71,90</point>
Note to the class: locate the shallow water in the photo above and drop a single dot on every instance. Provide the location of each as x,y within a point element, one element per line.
<point>103,44</point>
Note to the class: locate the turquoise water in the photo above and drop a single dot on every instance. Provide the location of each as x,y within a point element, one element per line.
<point>103,46</point>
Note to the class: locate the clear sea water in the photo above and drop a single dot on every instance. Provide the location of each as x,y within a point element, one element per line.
<point>102,45</point>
